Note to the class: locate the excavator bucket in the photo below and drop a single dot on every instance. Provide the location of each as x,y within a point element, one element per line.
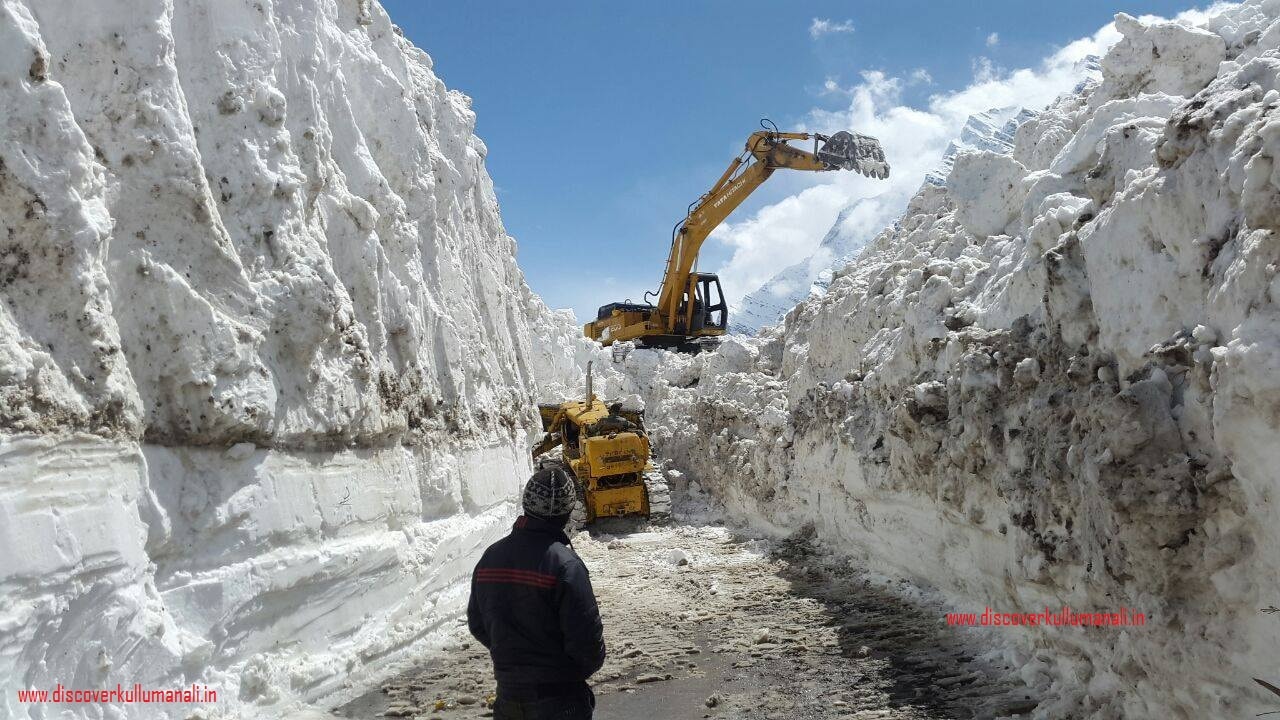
<point>852,151</point>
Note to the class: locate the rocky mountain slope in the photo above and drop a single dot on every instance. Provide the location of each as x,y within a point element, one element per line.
<point>1053,382</point>
<point>267,362</point>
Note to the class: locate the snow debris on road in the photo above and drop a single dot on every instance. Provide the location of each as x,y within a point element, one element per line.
<point>796,632</point>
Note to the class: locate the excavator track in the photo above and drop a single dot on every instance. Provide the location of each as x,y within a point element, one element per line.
<point>659,494</point>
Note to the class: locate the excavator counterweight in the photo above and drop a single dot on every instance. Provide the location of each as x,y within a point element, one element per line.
<point>690,305</point>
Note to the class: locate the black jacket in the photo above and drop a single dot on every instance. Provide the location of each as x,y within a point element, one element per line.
<point>532,605</point>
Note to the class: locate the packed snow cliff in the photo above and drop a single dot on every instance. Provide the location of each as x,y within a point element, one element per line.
<point>267,363</point>
<point>1055,382</point>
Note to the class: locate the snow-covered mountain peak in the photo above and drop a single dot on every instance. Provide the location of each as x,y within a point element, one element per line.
<point>768,303</point>
<point>990,131</point>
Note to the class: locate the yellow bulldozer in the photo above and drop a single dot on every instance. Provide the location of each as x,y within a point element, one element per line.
<point>691,306</point>
<point>605,448</point>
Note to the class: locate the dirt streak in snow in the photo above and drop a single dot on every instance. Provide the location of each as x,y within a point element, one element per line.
<point>769,630</point>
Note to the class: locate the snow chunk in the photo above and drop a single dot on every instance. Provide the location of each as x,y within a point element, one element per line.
<point>988,189</point>
<point>1165,57</point>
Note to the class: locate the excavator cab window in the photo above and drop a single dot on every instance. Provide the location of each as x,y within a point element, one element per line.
<point>709,310</point>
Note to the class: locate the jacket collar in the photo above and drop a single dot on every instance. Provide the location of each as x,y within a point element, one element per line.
<point>529,523</point>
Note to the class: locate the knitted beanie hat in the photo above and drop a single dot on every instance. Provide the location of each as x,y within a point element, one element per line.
<point>549,493</point>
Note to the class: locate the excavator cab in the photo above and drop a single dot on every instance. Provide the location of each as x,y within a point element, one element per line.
<point>708,313</point>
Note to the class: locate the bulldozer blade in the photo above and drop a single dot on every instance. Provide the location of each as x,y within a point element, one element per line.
<point>852,151</point>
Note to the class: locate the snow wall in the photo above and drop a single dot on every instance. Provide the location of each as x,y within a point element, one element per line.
<point>1055,383</point>
<point>267,363</point>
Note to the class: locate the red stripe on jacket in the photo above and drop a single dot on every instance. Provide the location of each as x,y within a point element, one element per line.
<point>514,575</point>
<point>514,580</point>
<point>536,577</point>
<point>518,571</point>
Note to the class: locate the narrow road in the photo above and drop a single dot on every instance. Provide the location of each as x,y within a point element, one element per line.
<point>703,624</point>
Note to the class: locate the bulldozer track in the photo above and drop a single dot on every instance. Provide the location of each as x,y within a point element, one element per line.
<point>655,485</point>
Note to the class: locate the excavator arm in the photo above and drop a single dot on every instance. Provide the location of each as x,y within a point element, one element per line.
<point>680,295</point>
<point>765,152</point>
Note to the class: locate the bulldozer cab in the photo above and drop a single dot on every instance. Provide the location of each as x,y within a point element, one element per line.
<point>706,310</point>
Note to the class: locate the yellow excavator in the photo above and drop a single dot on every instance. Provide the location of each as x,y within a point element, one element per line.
<point>690,304</point>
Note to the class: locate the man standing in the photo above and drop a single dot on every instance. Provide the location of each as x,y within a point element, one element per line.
<point>532,605</point>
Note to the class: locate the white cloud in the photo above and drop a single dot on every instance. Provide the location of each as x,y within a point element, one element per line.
<point>993,39</point>
<point>777,236</point>
<point>914,140</point>
<point>984,70</point>
<point>821,26</point>
<point>920,76</point>
<point>832,86</point>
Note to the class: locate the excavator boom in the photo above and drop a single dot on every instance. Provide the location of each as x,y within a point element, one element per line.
<point>690,304</point>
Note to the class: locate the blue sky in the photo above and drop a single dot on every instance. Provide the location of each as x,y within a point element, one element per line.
<point>604,120</point>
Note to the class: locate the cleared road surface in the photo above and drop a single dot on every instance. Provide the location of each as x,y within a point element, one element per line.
<point>702,623</point>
